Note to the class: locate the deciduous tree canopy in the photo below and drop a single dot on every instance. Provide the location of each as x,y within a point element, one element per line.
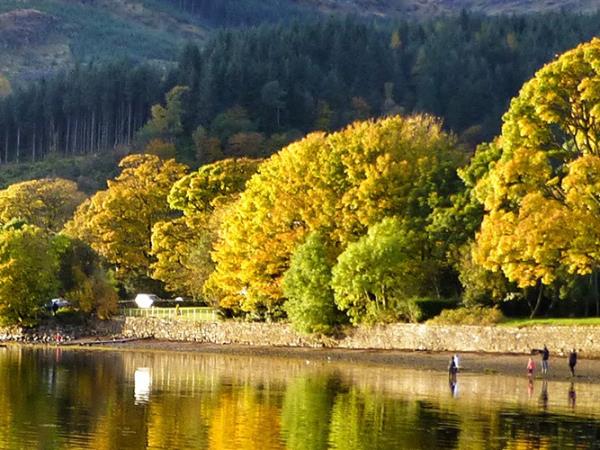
<point>541,197</point>
<point>118,222</point>
<point>339,184</point>
<point>46,203</point>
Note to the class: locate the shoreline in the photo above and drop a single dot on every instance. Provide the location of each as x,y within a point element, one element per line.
<point>478,363</point>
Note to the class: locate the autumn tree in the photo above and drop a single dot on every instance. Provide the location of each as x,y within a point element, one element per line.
<point>182,246</point>
<point>118,222</point>
<point>47,203</point>
<point>541,196</point>
<point>339,184</point>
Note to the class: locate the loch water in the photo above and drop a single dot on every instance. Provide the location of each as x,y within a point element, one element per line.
<point>76,399</point>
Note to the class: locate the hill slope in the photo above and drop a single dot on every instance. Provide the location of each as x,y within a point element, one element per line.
<point>427,8</point>
<point>42,36</point>
<point>39,37</point>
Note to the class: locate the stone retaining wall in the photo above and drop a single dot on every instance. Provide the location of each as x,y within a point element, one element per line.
<point>398,336</point>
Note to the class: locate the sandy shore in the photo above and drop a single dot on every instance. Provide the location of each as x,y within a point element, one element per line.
<point>482,363</point>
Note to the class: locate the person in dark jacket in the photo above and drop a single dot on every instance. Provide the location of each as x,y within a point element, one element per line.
<point>572,361</point>
<point>545,357</point>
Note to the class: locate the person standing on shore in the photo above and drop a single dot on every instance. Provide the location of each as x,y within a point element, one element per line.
<point>545,357</point>
<point>572,361</point>
<point>530,368</point>
<point>456,362</point>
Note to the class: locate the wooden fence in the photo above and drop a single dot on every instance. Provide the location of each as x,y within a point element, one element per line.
<point>198,314</point>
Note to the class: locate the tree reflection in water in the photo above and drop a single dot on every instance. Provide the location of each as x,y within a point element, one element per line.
<point>108,400</point>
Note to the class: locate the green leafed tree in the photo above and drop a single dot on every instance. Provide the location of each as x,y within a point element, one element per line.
<point>83,280</point>
<point>166,122</point>
<point>29,265</point>
<point>307,287</point>
<point>376,276</point>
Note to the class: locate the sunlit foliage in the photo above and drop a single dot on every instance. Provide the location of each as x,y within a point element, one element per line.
<point>46,203</point>
<point>541,197</point>
<point>339,184</point>
<point>118,222</point>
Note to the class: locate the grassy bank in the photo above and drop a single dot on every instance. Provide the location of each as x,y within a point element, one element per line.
<point>563,321</point>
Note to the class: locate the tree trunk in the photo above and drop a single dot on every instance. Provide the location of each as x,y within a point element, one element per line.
<point>129,116</point>
<point>18,144</point>
<point>538,302</point>
<point>595,290</point>
<point>68,136</point>
<point>33,146</point>
<point>93,132</point>
<point>6,146</point>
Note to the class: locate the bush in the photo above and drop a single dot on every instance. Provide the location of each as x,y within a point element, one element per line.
<point>473,315</point>
<point>431,307</point>
<point>408,311</point>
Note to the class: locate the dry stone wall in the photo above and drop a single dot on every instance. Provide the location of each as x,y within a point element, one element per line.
<point>492,339</point>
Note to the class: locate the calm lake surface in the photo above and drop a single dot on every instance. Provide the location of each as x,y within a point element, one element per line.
<point>55,399</point>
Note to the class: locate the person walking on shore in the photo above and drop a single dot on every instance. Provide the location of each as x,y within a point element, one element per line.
<point>545,357</point>
<point>530,368</point>
<point>572,361</point>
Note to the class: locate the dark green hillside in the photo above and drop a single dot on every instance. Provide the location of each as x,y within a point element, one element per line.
<point>40,37</point>
<point>250,91</point>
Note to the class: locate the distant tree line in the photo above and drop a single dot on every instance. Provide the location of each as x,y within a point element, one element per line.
<point>241,13</point>
<point>250,91</point>
<point>89,110</point>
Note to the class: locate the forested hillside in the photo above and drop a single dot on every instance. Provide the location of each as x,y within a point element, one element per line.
<point>41,37</point>
<point>249,92</point>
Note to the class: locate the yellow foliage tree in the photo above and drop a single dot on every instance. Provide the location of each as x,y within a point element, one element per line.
<point>340,184</point>
<point>118,222</point>
<point>47,203</point>
<point>542,196</point>
<point>182,246</point>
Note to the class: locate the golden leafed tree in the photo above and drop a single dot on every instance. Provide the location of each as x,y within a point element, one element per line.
<point>47,203</point>
<point>118,222</point>
<point>182,246</point>
<point>339,184</point>
<point>541,197</point>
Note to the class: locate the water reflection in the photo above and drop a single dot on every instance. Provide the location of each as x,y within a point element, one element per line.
<point>106,400</point>
<point>142,379</point>
<point>544,395</point>
<point>572,395</point>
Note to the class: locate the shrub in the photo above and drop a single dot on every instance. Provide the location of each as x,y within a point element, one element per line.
<point>473,315</point>
<point>431,307</point>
